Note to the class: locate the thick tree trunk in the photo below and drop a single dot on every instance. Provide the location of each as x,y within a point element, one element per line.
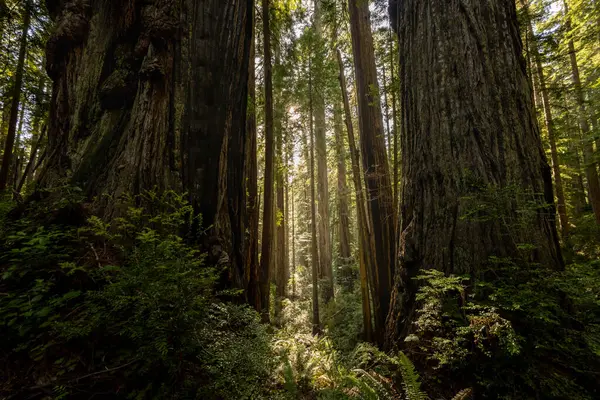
<point>153,96</point>
<point>15,101</point>
<point>375,162</point>
<point>549,120</point>
<point>324,226</point>
<point>267,240</point>
<point>366,239</point>
<point>469,134</point>
<point>591,172</point>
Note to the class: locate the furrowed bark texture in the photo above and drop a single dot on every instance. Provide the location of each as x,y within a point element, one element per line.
<point>375,163</point>
<point>468,127</point>
<point>153,95</point>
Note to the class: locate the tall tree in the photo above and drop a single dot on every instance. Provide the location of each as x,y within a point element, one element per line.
<point>15,100</point>
<point>315,261</point>
<point>375,162</point>
<point>153,95</point>
<point>470,131</point>
<point>267,240</point>
<point>324,227</point>
<point>344,238</point>
<point>253,210</point>
<point>366,239</point>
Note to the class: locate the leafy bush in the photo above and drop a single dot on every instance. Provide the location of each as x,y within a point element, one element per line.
<point>127,308</point>
<point>529,332</point>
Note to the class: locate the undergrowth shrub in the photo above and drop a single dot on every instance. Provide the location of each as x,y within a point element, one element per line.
<point>124,310</point>
<point>529,332</point>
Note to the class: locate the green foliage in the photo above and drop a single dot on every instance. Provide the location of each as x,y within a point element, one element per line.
<point>124,308</point>
<point>410,379</point>
<point>526,316</point>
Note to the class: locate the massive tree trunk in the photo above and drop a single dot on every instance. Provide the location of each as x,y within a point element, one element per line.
<point>267,240</point>
<point>153,95</point>
<point>537,61</point>
<point>15,101</point>
<point>375,162</point>
<point>324,226</point>
<point>470,139</point>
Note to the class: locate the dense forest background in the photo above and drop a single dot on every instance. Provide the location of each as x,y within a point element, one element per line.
<point>300,199</point>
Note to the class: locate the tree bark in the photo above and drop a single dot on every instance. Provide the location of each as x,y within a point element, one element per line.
<point>366,239</point>
<point>345,254</point>
<point>253,210</point>
<point>315,262</point>
<point>15,101</point>
<point>281,260</point>
<point>267,240</point>
<point>153,96</point>
<point>324,226</point>
<point>470,134</point>
<point>375,162</point>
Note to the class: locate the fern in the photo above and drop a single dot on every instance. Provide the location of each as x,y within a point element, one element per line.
<point>289,379</point>
<point>410,379</point>
<point>464,394</point>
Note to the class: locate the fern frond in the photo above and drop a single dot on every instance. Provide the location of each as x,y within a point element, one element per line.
<point>465,394</point>
<point>410,379</point>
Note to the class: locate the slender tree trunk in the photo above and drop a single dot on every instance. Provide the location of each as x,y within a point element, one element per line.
<point>15,101</point>
<point>558,185</point>
<point>366,239</point>
<point>315,262</point>
<point>324,226</point>
<point>281,265</point>
<point>267,239</point>
<point>253,209</point>
<point>386,106</point>
<point>27,173</point>
<point>293,244</point>
<point>470,128</point>
<point>395,125</point>
<point>591,172</point>
<point>17,151</point>
<point>375,162</point>
<point>345,254</point>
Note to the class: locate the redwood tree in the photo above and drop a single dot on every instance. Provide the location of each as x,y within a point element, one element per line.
<point>153,96</point>
<point>469,132</point>
<point>375,163</point>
